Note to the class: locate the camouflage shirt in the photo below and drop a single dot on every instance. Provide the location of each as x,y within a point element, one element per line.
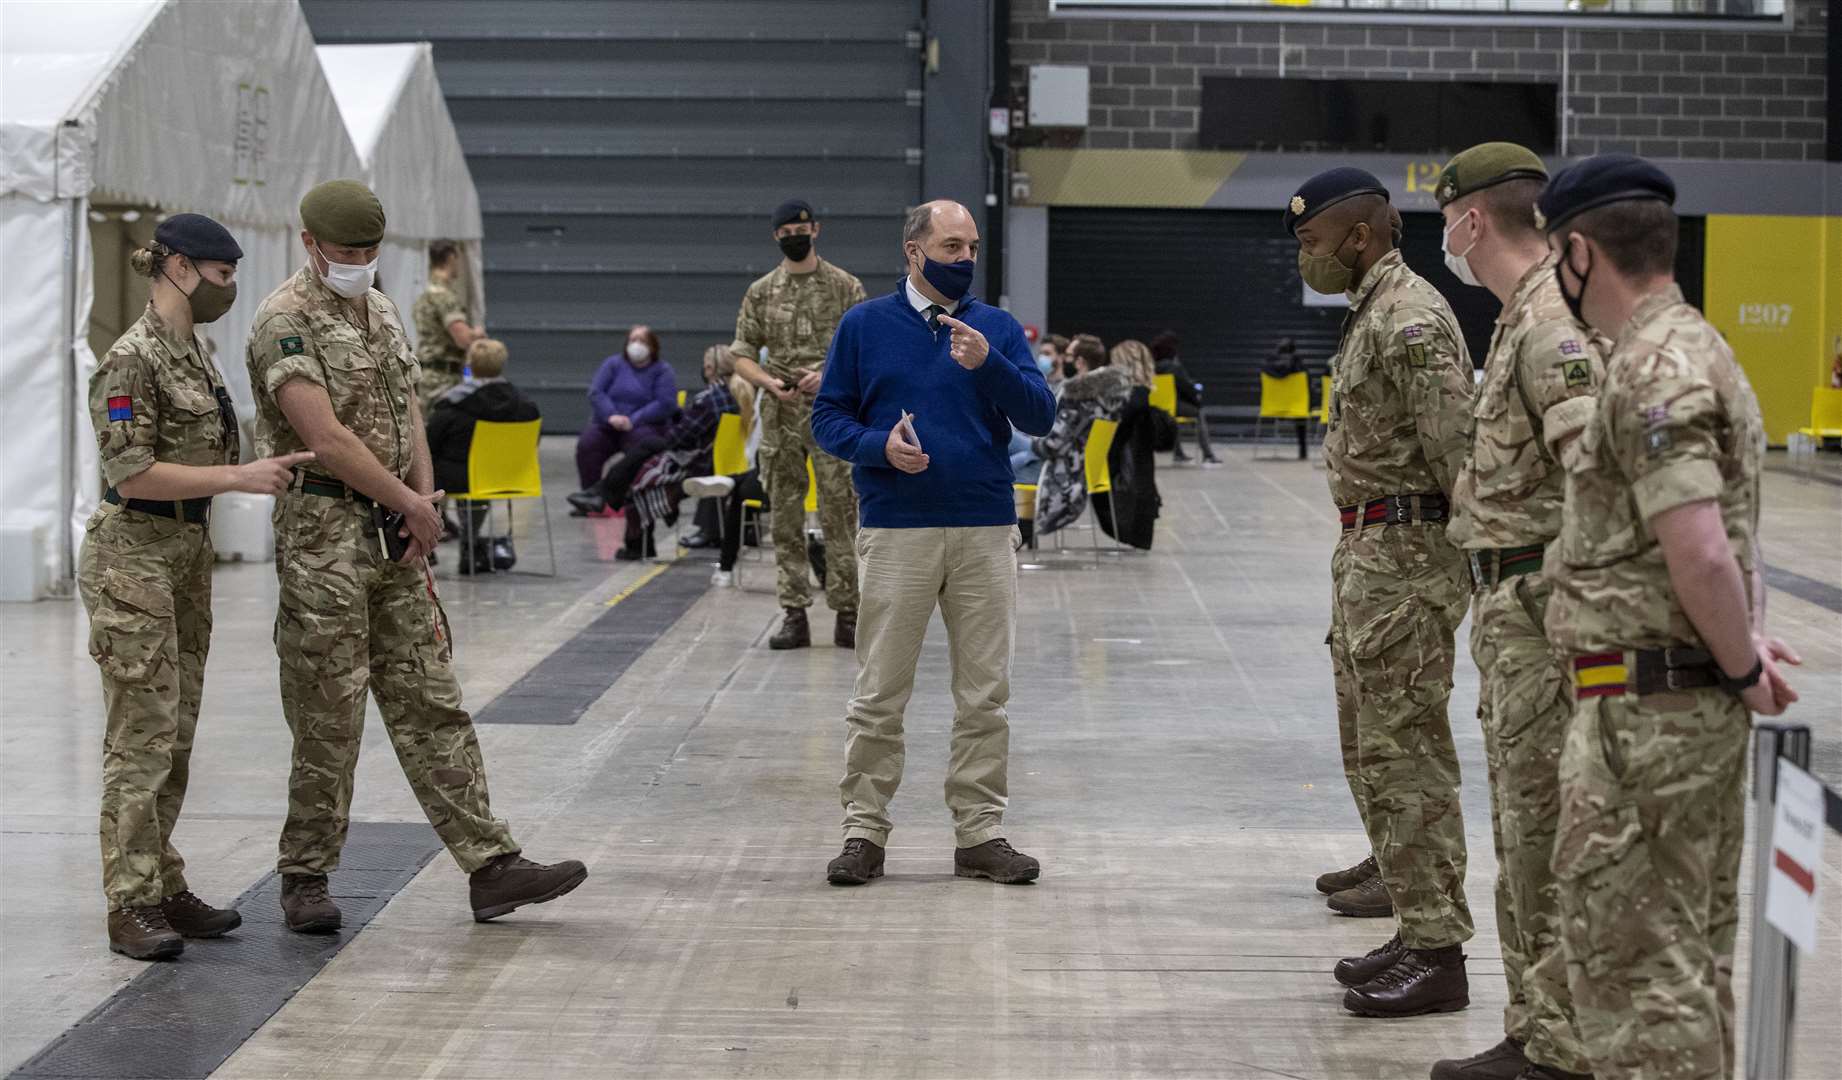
<point>1540,375</point>
<point>794,315</point>
<point>1400,390</point>
<point>1676,423</point>
<point>305,330</point>
<point>154,398</point>
<point>438,306</point>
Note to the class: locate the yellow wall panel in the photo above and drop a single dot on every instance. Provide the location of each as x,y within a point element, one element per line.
<point>1771,288</point>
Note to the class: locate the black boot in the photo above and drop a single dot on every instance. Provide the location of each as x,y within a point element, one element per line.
<point>794,632</point>
<point>1338,880</point>
<point>478,559</point>
<point>1421,981</point>
<point>1504,1061</point>
<point>1357,970</point>
<point>503,557</point>
<point>1368,900</point>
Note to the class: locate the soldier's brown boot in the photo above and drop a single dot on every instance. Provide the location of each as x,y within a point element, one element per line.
<point>1421,981</point>
<point>1504,1061</point>
<point>193,917</point>
<point>306,905</point>
<point>794,633</point>
<point>509,882</point>
<point>1356,970</point>
<point>859,862</point>
<point>143,934</point>
<point>997,860</point>
<point>1338,880</point>
<point>1368,900</point>
<point>844,632</point>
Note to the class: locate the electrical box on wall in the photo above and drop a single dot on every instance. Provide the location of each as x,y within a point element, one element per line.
<point>1058,96</point>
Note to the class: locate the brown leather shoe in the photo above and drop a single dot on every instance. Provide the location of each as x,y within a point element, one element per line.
<point>509,882</point>
<point>794,632</point>
<point>1338,880</point>
<point>307,907</point>
<point>1421,981</point>
<point>844,632</point>
<point>860,862</point>
<point>1504,1061</point>
<point>1356,970</point>
<point>1368,900</point>
<point>143,934</point>
<point>997,860</point>
<point>194,918</point>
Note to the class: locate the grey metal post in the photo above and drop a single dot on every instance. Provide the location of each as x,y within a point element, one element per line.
<point>1771,999</point>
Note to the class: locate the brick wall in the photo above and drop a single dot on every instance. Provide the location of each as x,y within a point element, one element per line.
<point>1738,95</point>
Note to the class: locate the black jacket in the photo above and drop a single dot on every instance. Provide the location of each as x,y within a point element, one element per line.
<point>1131,515</point>
<point>450,424</point>
<point>1187,393</point>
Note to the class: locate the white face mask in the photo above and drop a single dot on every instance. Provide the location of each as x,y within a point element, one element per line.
<point>346,279</point>
<point>1455,262</point>
<point>638,352</point>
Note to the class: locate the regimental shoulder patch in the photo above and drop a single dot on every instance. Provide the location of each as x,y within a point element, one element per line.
<point>121,407</point>
<point>1412,332</point>
<point>1576,372</point>
<point>1654,415</point>
<point>1416,354</point>
<point>1570,347</point>
<point>291,346</point>
<point>1657,440</point>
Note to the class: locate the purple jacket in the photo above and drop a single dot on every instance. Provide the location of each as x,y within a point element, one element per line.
<point>647,396</point>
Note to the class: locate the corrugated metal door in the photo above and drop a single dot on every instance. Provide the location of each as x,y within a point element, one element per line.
<point>628,154</point>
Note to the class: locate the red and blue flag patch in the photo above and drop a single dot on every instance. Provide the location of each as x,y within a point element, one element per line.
<point>121,407</point>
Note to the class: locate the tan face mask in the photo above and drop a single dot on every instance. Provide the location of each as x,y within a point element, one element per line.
<point>1327,274</point>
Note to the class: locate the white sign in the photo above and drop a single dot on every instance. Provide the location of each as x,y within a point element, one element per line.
<point>1796,856</point>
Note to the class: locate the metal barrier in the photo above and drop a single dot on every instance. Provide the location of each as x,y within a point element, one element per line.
<point>1772,994</point>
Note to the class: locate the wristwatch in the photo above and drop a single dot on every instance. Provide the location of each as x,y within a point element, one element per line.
<point>1744,682</point>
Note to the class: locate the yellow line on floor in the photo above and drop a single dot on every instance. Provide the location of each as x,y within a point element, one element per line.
<point>638,584</point>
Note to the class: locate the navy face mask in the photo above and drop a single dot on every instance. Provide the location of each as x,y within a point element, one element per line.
<point>952,280</point>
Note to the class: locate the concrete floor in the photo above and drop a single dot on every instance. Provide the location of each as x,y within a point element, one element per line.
<point>1174,765</point>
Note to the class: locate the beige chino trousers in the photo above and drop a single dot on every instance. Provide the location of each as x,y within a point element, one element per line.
<point>903,574</point>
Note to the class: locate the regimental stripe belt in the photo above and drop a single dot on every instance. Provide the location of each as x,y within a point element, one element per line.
<point>191,511</point>
<point>1643,671</point>
<point>1394,510</point>
<point>1491,565</point>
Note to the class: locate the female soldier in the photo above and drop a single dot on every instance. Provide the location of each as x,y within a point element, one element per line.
<point>168,440</point>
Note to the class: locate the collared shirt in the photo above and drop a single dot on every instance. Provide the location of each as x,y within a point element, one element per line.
<point>921,303</point>
<point>1676,423</point>
<point>154,398</point>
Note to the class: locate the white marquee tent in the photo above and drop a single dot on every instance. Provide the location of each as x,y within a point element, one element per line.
<point>113,113</point>
<point>399,123</point>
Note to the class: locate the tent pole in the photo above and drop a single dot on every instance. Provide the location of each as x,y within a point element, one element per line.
<point>67,458</point>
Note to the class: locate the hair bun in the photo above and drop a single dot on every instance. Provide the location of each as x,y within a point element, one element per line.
<point>142,261</point>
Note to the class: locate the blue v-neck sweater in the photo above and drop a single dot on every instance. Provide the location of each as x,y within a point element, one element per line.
<point>884,359</point>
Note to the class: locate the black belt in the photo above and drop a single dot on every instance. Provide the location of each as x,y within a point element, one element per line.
<point>452,367</point>
<point>332,489</point>
<point>1394,510</point>
<point>191,511</point>
<point>1643,671</point>
<point>1491,565</point>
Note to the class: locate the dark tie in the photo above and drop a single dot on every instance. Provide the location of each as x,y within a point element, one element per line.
<point>932,315</point>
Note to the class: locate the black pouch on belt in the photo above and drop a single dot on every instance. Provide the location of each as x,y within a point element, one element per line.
<point>390,538</point>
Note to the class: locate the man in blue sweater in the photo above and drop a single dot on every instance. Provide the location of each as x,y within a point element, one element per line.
<point>920,393</point>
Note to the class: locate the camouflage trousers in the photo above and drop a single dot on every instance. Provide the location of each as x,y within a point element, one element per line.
<point>1648,857</point>
<point>350,622</point>
<point>146,582</point>
<point>436,379</point>
<point>1524,705</point>
<point>786,446</point>
<point>1399,593</point>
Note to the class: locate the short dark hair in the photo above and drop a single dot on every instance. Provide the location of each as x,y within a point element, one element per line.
<point>1089,348</point>
<point>1060,342</point>
<point>440,251</point>
<point>1638,235</point>
<point>1510,205</point>
<point>1164,346</point>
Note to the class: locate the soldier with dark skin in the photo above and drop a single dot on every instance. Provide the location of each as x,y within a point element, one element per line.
<point>168,442</point>
<point>333,373</point>
<point>1400,405</point>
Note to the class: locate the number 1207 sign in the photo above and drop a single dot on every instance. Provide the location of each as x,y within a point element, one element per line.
<point>1766,316</point>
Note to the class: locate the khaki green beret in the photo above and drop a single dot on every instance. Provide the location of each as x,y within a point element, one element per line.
<point>1486,165</point>
<point>343,212</point>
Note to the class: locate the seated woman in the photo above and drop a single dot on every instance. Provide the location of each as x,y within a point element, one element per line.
<point>487,396</point>
<point>1130,513</point>
<point>731,492</point>
<point>1189,395</point>
<point>646,480</point>
<point>1095,390</point>
<point>632,398</point>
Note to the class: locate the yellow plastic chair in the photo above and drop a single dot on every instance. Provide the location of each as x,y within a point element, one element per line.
<point>1825,414</point>
<point>1025,496</point>
<point>502,464</point>
<point>1164,393</point>
<point>1285,398</point>
<point>731,451</point>
<point>1099,474</point>
<point>1324,401</point>
<point>681,398</point>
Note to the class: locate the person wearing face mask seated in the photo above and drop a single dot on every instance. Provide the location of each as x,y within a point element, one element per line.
<point>487,397</point>
<point>632,397</point>
<point>1097,390</point>
<point>358,614</point>
<point>168,443</point>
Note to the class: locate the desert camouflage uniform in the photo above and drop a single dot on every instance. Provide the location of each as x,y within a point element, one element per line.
<point>349,620</point>
<point>1539,377</point>
<point>1401,392</point>
<point>440,359</point>
<point>146,581</point>
<point>1648,851</point>
<point>794,315</point>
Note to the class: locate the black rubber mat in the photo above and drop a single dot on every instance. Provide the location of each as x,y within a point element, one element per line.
<point>564,684</point>
<point>181,1019</point>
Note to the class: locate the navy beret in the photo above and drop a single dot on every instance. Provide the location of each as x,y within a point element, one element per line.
<point>1326,190</point>
<point>198,237</point>
<point>791,212</point>
<point>1599,181</point>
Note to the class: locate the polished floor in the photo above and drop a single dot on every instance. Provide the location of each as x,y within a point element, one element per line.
<point>1173,764</point>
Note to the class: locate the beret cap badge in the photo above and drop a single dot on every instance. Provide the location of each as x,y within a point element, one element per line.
<point>1541,219</point>
<point>1298,204</point>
